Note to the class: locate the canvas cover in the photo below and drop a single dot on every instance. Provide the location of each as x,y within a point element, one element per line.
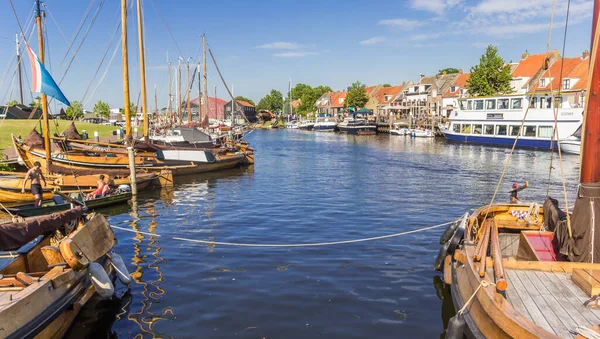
<point>14,235</point>
<point>34,139</point>
<point>72,133</point>
<point>555,220</point>
<point>585,223</point>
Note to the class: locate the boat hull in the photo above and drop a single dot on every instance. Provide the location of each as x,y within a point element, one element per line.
<point>498,141</point>
<point>358,130</point>
<point>28,210</point>
<point>570,146</point>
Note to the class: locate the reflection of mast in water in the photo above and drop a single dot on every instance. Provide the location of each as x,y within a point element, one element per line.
<point>151,291</point>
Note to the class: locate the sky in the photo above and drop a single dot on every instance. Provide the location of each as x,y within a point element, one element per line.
<point>259,45</point>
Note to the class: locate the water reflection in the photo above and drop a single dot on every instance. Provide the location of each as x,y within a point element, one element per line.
<point>443,293</point>
<point>96,319</point>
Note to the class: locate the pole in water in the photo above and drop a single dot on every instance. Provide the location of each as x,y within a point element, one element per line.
<point>132,178</point>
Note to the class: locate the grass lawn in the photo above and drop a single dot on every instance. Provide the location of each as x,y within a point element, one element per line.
<point>23,127</point>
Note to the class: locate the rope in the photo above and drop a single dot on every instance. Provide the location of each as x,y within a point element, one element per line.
<point>292,245</point>
<point>482,283</point>
<point>586,332</point>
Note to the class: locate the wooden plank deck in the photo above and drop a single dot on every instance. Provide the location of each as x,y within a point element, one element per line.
<point>551,300</point>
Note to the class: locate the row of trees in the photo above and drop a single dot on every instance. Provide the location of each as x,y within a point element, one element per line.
<point>276,102</point>
<point>75,111</point>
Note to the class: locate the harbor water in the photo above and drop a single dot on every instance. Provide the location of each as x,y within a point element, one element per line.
<point>305,188</point>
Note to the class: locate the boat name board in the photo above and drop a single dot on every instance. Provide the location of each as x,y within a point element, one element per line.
<point>495,116</point>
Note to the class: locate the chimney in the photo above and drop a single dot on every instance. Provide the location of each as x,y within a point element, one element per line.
<point>525,55</point>
<point>421,76</point>
<point>460,71</point>
<point>585,54</point>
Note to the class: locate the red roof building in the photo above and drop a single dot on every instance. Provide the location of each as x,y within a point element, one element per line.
<point>215,107</point>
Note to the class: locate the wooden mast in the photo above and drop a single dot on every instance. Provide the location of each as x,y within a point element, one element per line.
<point>19,68</point>
<point>189,92</point>
<point>205,117</point>
<point>590,136</point>
<point>126,108</point>
<point>200,100</point>
<point>179,112</point>
<point>46,125</point>
<point>169,107</point>
<point>142,68</point>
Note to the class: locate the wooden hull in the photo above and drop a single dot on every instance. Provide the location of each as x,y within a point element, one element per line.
<point>223,162</point>
<point>10,192</point>
<point>28,210</point>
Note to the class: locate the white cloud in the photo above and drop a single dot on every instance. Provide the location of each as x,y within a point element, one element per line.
<point>438,7</point>
<point>405,24</point>
<point>373,40</point>
<point>281,45</point>
<point>293,54</point>
<point>422,37</point>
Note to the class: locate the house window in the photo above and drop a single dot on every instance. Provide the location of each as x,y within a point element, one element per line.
<point>462,104</point>
<point>516,103</point>
<point>490,104</point>
<point>543,82</point>
<point>470,105</point>
<point>546,102</point>
<point>557,101</point>
<point>567,84</point>
<point>488,129</point>
<point>533,102</point>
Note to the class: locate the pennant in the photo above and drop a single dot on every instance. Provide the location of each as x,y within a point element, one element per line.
<point>41,81</point>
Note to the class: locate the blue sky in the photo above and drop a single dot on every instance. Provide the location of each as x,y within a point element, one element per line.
<point>260,44</point>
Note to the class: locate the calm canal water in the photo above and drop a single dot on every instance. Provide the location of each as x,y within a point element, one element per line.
<point>304,188</point>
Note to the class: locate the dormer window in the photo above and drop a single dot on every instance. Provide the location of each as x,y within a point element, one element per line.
<point>341,100</point>
<point>387,97</point>
<point>543,82</point>
<point>452,88</point>
<point>566,83</point>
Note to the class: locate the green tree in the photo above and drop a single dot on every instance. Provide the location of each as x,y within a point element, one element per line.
<point>387,85</point>
<point>37,102</point>
<point>133,108</point>
<point>492,76</point>
<point>309,98</point>
<point>449,70</point>
<point>12,103</point>
<point>239,97</point>
<point>357,98</point>
<point>272,102</point>
<point>75,111</point>
<point>102,109</point>
<point>299,90</point>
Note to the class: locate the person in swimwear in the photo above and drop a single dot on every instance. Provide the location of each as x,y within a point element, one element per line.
<point>98,191</point>
<point>35,175</point>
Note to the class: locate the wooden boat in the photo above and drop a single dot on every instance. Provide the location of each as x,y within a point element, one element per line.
<point>58,204</point>
<point>531,271</point>
<point>45,286</point>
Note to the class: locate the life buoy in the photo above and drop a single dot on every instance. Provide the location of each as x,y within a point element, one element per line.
<point>452,236</point>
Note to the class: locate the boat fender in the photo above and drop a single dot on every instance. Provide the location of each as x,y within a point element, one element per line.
<point>450,245</point>
<point>120,268</point>
<point>450,230</point>
<point>456,327</point>
<point>101,281</point>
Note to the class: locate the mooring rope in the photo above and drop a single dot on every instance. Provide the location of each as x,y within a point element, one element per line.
<point>483,283</point>
<point>292,245</point>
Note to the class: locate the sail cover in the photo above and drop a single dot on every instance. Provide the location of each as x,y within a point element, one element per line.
<point>585,224</point>
<point>16,234</point>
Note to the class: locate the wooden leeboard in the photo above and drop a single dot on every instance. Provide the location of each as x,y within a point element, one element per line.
<point>89,243</point>
<point>586,281</point>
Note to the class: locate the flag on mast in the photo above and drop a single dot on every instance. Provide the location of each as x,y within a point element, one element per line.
<point>42,82</point>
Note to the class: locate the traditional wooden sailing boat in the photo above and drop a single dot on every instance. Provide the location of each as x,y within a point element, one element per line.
<point>531,271</point>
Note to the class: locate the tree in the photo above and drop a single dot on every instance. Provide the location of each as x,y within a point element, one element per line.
<point>387,85</point>
<point>449,70</point>
<point>492,76</point>
<point>37,102</point>
<point>12,103</point>
<point>309,98</point>
<point>272,102</point>
<point>357,98</point>
<point>239,97</point>
<point>75,111</point>
<point>299,90</point>
<point>102,109</point>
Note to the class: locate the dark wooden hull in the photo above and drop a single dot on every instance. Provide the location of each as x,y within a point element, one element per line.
<point>28,210</point>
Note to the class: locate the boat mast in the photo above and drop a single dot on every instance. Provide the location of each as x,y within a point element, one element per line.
<point>155,102</point>
<point>169,107</point>
<point>199,97</point>
<point>19,67</point>
<point>142,68</point>
<point>189,90</point>
<point>204,120</point>
<point>126,108</point>
<point>179,112</point>
<point>590,136</point>
<point>46,131</point>
<point>216,112</point>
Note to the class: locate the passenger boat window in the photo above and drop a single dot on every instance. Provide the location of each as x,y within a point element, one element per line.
<point>558,101</point>
<point>478,104</point>
<point>546,102</point>
<point>490,104</point>
<point>488,129</point>
<point>466,129</point>
<point>502,103</point>
<point>545,132</point>
<point>462,104</point>
<point>516,103</point>
<point>456,128</point>
<point>476,129</point>
<point>501,130</point>
<point>529,131</point>
<point>514,129</point>
<point>533,102</point>
<point>470,105</point>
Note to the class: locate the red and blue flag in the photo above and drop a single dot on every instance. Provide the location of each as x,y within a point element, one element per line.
<point>42,82</point>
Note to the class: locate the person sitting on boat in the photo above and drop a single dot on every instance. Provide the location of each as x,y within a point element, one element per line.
<point>98,191</point>
<point>516,188</point>
<point>35,175</point>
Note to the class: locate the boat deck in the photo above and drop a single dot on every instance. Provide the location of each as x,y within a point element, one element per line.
<point>551,300</point>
